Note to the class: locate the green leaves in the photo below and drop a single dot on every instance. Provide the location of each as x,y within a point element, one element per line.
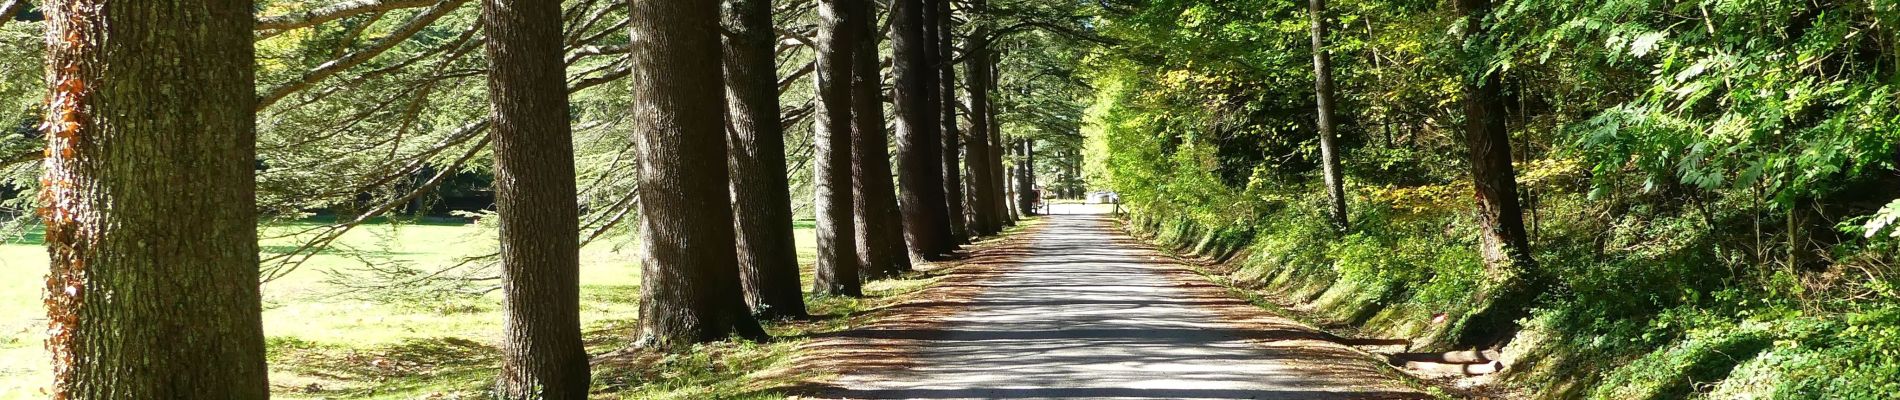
<point>1878,223</point>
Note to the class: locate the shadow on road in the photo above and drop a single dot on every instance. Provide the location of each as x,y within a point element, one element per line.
<point>1083,311</point>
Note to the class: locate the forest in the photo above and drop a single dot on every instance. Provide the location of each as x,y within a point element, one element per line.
<point>675,199</point>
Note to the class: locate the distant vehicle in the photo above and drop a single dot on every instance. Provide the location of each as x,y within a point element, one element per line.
<point>1104,197</point>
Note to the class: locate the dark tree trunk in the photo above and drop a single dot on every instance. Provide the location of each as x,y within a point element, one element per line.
<point>938,30</point>
<point>919,153</point>
<point>999,182</point>
<point>872,196</point>
<point>542,355</point>
<point>836,271</point>
<point>1026,177</point>
<point>1503,244</point>
<point>1323,92</point>
<point>984,220</point>
<point>690,290</point>
<point>762,201</point>
<point>1078,186</point>
<point>149,201</point>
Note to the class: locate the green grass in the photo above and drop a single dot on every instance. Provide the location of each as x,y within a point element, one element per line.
<point>327,342</point>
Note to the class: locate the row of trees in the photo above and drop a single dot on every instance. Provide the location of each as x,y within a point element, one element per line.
<point>149,191</point>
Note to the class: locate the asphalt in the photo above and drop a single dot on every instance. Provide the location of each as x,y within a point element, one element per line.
<point>1089,312</point>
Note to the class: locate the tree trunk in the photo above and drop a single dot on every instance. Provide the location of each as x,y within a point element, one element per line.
<point>690,290</point>
<point>762,199</point>
<point>938,23</point>
<point>984,220</point>
<point>1079,186</point>
<point>999,182</point>
<point>149,201</point>
<point>1323,93</point>
<point>873,198</point>
<point>920,157</point>
<point>836,271</point>
<point>1503,244</point>
<point>542,355</point>
<point>1026,177</point>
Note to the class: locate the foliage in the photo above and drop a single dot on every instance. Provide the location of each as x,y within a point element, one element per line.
<point>1711,184</point>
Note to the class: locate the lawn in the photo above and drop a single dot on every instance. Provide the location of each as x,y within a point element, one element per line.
<point>329,341</point>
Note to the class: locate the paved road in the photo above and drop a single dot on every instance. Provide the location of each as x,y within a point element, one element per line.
<point>1086,312</point>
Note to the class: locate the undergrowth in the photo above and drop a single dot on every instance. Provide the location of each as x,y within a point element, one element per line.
<point>1644,311</point>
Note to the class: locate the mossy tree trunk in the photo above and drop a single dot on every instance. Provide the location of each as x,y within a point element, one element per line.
<point>149,201</point>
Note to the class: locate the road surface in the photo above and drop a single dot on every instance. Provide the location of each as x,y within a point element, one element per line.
<point>1081,310</point>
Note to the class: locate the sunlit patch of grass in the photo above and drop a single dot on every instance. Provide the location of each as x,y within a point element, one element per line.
<point>331,342</point>
<point>724,370</point>
<point>413,368</point>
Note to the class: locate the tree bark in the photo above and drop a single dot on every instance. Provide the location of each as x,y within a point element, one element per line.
<point>689,289</point>
<point>999,181</point>
<point>149,201</point>
<point>1026,177</point>
<point>873,196</point>
<point>836,272</point>
<point>1323,94</point>
<point>927,220</point>
<point>761,194</point>
<point>938,30</point>
<point>984,220</point>
<point>1503,243</point>
<point>542,355</point>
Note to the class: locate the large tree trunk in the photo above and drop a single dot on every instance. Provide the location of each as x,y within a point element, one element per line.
<point>938,30</point>
<point>690,290</point>
<point>1503,244</point>
<point>1323,93</point>
<point>984,220</point>
<point>999,181</point>
<point>149,201</point>
<point>836,272</point>
<point>542,355</point>
<point>919,153</point>
<point>762,200</point>
<point>873,198</point>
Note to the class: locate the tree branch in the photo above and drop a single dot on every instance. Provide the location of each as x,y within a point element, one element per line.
<point>354,58</point>
<point>340,10</point>
<point>9,8</point>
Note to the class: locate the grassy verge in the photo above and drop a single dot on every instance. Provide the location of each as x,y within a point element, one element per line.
<point>1659,323</point>
<point>328,339</point>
